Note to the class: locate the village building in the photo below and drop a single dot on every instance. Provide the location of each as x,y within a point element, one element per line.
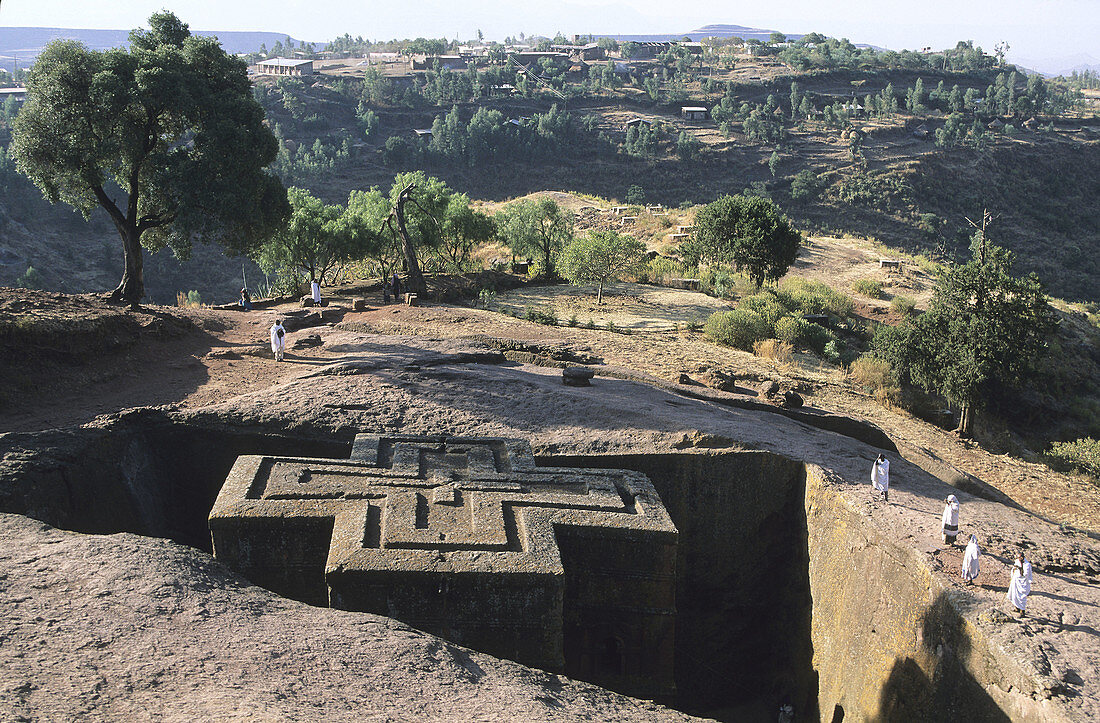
<point>284,66</point>
<point>19,94</point>
<point>431,62</point>
<point>694,113</point>
<point>528,57</point>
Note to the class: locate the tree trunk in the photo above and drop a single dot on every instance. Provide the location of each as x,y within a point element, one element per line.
<point>132,287</point>
<point>416,279</point>
<point>599,292</point>
<point>966,422</point>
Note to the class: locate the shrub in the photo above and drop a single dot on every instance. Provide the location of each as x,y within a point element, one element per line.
<point>805,185</point>
<point>590,324</point>
<point>662,268</point>
<point>779,351</point>
<point>1083,455</point>
<point>191,300</point>
<point>834,351</point>
<point>486,296</point>
<point>904,305</point>
<point>868,287</point>
<point>766,305</point>
<point>539,316</point>
<point>791,329</point>
<point>871,374</point>
<point>739,328</point>
<point>573,321</point>
<point>817,337</point>
<point>30,279</point>
<point>813,297</point>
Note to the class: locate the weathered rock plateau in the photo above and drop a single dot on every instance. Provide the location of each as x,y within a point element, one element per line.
<point>793,582</point>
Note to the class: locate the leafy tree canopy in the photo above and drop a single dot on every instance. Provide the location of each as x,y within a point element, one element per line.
<point>985,333</point>
<point>601,257</point>
<point>315,239</point>
<point>747,232</point>
<point>165,137</point>
<point>537,228</point>
<point>984,329</point>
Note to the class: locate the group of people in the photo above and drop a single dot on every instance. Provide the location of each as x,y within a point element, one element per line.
<point>1019,586</point>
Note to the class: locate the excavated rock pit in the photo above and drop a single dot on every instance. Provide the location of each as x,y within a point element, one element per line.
<point>784,593</point>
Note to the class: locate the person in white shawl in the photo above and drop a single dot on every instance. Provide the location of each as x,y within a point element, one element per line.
<point>880,476</point>
<point>1019,587</point>
<point>950,519</point>
<point>315,290</point>
<point>278,339</point>
<point>970,567</point>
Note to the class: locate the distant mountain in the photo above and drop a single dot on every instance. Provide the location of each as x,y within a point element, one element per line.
<point>1058,65</point>
<point>707,31</point>
<point>736,31</point>
<point>26,43</point>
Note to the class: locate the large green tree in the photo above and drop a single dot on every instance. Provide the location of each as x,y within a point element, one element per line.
<point>315,239</point>
<point>746,232</point>
<point>601,257</point>
<point>537,228</point>
<point>984,329</point>
<point>165,137</point>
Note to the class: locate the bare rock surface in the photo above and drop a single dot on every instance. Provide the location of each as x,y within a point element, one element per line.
<point>123,627</point>
<point>422,386</point>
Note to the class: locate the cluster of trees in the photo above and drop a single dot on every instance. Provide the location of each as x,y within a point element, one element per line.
<point>490,136</point>
<point>814,51</point>
<point>319,239</point>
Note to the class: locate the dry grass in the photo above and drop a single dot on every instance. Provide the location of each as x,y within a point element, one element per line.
<point>777,351</point>
<point>875,377</point>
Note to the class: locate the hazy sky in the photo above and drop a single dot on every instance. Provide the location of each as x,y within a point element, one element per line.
<point>1033,28</point>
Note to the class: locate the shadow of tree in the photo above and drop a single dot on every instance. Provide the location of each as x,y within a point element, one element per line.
<point>952,692</point>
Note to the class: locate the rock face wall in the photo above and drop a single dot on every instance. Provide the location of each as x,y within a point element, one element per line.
<point>890,641</point>
<point>742,590</point>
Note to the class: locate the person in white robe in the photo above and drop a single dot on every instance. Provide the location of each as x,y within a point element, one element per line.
<point>315,289</point>
<point>1019,587</point>
<point>950,519</point>
<point>970,566</point>
<point>278,339</point>
<point>880,476</point>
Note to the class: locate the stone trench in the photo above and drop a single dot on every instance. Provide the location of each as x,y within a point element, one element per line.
<point>776,578</point>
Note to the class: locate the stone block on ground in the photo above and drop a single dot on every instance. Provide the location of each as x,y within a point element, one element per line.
<point>307,301</point>
<point>577,376</point>
<point>359,305</point>
<point>792,400</point>
<point>768,388</point>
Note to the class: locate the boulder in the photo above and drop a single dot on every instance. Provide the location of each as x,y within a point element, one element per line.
<point>792,400</point>
<point>307,301</point>
<point>359,305</point>
<point>768,388</point>
<point>577,376</point>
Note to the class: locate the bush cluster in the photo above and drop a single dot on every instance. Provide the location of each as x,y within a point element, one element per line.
<point>1082,455</point>
<point>868,287</point>
<point>779,316</point>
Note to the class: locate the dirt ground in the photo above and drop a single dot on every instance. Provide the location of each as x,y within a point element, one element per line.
<point>206,357</point>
